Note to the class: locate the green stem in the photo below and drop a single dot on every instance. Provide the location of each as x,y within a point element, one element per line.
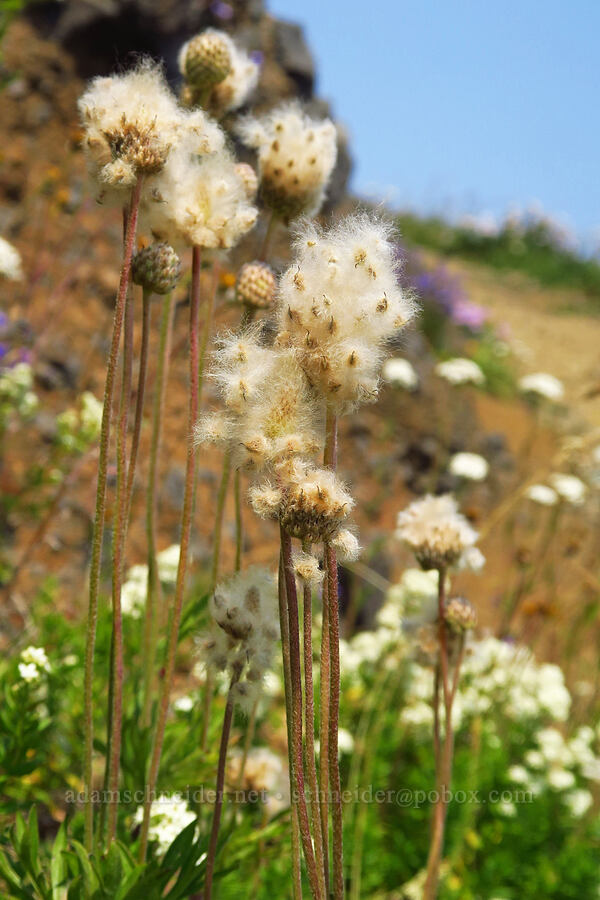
<point>298,794</point>
<point>218,808</point>
<point>94,588</point>
<point>153,586</point>
<point>186,524</point>
<point>118,553</point>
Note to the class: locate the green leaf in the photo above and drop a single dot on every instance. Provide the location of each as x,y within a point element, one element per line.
<point>58,868</point>
<point>34,841</point>
<point>89,876</point>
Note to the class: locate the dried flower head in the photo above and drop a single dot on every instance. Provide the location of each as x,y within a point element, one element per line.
<point>156,268</point>
<point>132,122</point>
<point>245,631</point>
<point>205,60</point>
<point>198,200</point>
<point>339,302</point>
<point>435,531</point>
<point>296,156</point>
<point>256,285</point>
<point>310,502</point>
<point>460,615</point>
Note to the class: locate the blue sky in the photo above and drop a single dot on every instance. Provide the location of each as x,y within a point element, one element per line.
<point>479,106</point>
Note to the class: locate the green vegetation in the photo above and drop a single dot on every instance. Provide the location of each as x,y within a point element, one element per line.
<point>531,247</point>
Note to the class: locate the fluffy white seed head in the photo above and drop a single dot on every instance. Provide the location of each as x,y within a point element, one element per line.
<point>213,428</point>
<point>307,568</point>
<point>296,156</point>
<point>339,302</point>
<point>198,200</point>
<point>435,531</point>
<point>132,122</point>
<point>245,631</point>
<point>347,545</point>
<point>249,179</point>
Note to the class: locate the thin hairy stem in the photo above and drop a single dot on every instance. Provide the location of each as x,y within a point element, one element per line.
<point>221,498</point>
<point>324,693</point>
<point>208,323</point>
<point>218,808</point>
<point>239,526</point>
<point>153,585</point>
<point>445,753</point>
<point>94,588</point>
<point>333,624</point>
<point>248,738</point>
<point>118,554</point>
<point>298,794</point>
<point>309,728</point>
<point>186,527</point>
<point>287,683</point>
<point>141,391</point>
<point>334,711</point>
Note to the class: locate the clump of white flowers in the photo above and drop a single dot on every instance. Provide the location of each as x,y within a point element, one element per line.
<point>78,428</point>
<point>339,303</point>
<point>569,487</point>
<point>460,371</point>
<point>33,662</point>
<point>135,587</point>
<point>11,266</point>
<point>541,384</point>
<point>16,391</point>
<point>435,531</point>
<point>400,372</point>
<point>470,466</point>
<point>244,633</point>
<point>296,156</point>
<point>266,775</point>
<point>542,494</point>
<point>132,123</point>
<point>170,815</point>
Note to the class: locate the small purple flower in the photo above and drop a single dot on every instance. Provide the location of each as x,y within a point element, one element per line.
<point>470,315</point>
<point>221,10</point>
<point>257,56</point>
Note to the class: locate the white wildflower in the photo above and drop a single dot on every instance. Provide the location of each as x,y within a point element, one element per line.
<point>435,531</point>
<point>37,657</point>
<point>543,385</point>
<point>10,261</point>
<point>569,487</point>
<point>460,371</point>
<point>168,817</point>
<point>560,779</point>
<point>578,802</point>
<point>470,466</point>
<point>542,494</point>
<point>400,372</point>
<point>28,671</point>
<point>183,704</point>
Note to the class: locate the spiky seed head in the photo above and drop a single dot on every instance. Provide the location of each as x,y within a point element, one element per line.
<point>206,59</point>
<point>256,285</point>
<point>460,614</point>
<point>156,268</point>
<point>249,179</point>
